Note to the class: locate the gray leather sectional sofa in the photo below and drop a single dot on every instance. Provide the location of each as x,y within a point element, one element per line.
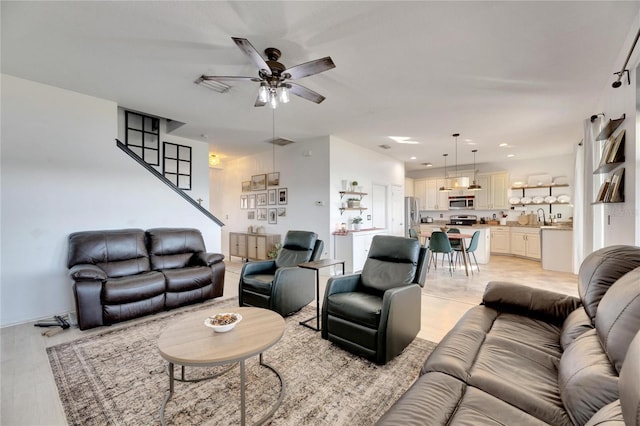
<point>127,273</point>
<point>531,357</point>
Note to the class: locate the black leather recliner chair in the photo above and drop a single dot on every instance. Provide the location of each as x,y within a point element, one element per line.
<point>279,285</point>
<point>377,313</point>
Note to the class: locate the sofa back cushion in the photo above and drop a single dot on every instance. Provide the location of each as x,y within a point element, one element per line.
<point>587,381</point>
<point>630,385</point>
<point>297,248</point>
<point>117,252</point>
<point>600,270</point>
<point>618,317</point>
<point>171,248</point>
<point>392,262</point>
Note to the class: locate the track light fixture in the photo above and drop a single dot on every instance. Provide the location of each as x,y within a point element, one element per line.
<point>594,117</point>
<point>624,69</point>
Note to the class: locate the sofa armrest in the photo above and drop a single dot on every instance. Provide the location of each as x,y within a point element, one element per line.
<point>258,267</point>
<point>86,272</point>
<point>529,301</point>
<point>342,284</point>
<point>400,322</point>
<point>209,259</point>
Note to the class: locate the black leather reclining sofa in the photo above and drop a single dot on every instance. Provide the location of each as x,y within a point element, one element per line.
<point>531,357</point>
<point>127,273</point>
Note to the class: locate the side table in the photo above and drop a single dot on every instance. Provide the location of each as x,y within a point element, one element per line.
<point>316,265</point>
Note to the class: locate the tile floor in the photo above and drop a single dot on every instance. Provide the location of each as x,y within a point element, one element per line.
<point>28,391</point>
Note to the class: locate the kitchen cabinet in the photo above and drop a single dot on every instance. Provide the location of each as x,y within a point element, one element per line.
<point>557,249</point>
<point>493,195</point>
<point>420,191</point>
<point>353,248</point>
<point>500,240</point>
<point>526,242</point>
<point>252,246</point>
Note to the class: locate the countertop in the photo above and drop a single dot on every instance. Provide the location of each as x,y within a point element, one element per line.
<point>511,224</point>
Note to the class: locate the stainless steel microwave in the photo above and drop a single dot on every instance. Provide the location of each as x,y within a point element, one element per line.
<point>462,202</point>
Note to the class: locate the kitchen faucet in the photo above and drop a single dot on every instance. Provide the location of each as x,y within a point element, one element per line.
<point>544,221</point>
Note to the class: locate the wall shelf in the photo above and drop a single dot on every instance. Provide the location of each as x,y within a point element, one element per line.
<point>550,187</point>
<point>611,127</point>
<point>359,195</point>
<point>360,209</point>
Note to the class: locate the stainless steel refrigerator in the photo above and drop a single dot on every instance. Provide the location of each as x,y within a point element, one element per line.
<point>411,215</point>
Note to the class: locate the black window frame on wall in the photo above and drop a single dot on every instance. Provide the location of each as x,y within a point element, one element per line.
<point>148,132</point>
<point>179,166</point>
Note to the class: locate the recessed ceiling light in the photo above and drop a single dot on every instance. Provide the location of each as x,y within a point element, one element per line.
<point>472,143</point>
<point>468,140</point>
<point>413,158</point>
<point>503,145</point>
<point>511,155</point>
<point>404,139</point>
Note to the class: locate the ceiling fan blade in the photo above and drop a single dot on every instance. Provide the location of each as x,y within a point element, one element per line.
<point>248,49</point>
<point>310,68</point>
<point>305,93</point>
<point>227,78</point>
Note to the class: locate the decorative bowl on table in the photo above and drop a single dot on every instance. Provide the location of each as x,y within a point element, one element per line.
<point>223,322</point>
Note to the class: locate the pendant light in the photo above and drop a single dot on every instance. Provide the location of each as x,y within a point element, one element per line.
<point>445,187</point>
<point>459,182</point>
<point>474,186</point>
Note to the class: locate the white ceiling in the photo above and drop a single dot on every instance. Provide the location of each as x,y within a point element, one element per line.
<point>522,73</point>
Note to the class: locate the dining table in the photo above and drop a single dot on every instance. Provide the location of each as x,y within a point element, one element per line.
<point>454,236</point>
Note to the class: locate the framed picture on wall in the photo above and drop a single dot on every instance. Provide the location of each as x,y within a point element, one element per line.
<point>273,179</point>
<point>282,211</point>
<point>251,201</point>
<point>246,186</point>
<point>244,202</point>
<point>251,214</point>
<point>283,196</point>
<point>273,216</point>
<point>262,214</point>
<point>258,182</point>
<point>261,199</point>
<point>271,195</point>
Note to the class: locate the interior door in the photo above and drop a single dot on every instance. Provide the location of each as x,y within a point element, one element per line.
<point>396,226</point>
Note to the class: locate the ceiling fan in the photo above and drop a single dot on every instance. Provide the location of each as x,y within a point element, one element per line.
<point>274,77</point>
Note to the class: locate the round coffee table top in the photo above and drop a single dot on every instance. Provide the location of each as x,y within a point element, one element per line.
<point>189,342</point>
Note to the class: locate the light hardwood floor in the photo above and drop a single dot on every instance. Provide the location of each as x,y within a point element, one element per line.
<point>29,393</point>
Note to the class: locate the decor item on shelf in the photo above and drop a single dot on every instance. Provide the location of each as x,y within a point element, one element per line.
<point>474,186</point>
<point>458,182</point>
<point>354,185</point>
<point>357,223</point>
<point>353,203</point>
<point>445,187</point>
<point>274,77</point>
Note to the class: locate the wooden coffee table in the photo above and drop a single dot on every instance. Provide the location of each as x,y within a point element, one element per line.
<point>190,343</point>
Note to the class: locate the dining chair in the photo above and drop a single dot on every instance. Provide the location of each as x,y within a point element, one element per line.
<point>439,243</point>
<point>455,244</point>
<point>473,246</point>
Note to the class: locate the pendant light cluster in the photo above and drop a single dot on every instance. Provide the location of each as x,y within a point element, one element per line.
<point>459,182</point>
<point>474,186</point>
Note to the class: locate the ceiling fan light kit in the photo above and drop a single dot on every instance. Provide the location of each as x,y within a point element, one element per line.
<point>275,79</point>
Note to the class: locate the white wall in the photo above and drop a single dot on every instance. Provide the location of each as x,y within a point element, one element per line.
<point>304,171</point>
<point>61,172</point>
<point>309,179</point>
<point>367,167</point>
